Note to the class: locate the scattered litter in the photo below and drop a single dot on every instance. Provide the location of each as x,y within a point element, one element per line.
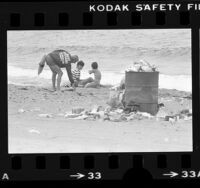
<point>82,117</point>
<point>167,118</point>
<point>172,120</point>
<point>96,109</point>
<point>115,88</point>
<point>116,113</point>
<point>68,115</point>
<point>119,111</point>
<point>161,114</point>
<point>185,111</point>
<point>145,114</point>
<point>116,120</point>
<point>186,118</point>
<point>45,115</point>
<point>106,118</point>
<point>119,115</point>
<point>34,131</point>
<point>107,109</point>
<point>100,108</point>
<point>115,99</point>
<point>100,114</point>
<point>21,110</point>
<point>161,105</point>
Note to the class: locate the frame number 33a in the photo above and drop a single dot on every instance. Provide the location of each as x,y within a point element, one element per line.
<point>190,174</point>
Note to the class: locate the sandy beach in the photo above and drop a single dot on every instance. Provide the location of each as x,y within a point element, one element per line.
<point>41,121</point>
<point>31,133</point>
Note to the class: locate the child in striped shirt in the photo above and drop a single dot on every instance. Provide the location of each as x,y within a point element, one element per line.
<point>76,73</point>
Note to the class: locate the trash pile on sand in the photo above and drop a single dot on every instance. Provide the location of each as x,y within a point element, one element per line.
<point>185,114</point>
<point>120,115</point>
<point>106,114</point>
<point>141,66</point>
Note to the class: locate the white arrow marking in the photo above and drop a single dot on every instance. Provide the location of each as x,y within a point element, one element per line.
<point>171,174</point>
<point>77,176</point>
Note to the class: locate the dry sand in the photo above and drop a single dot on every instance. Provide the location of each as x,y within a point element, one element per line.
<point>29,133</point>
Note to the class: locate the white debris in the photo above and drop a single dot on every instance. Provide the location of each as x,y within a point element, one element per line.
<point>34,131</point>
<point>21,110</point>
<point>161,114</point>
<point>94,109</point>
<point>70,115</point>
<point>119,111</point>
<point>107,109</point>
<point>186,118</point>
<point>101,114</point>
<point>177,118</point>
<point>145,114</point>
<point>115,99</point>
<point>129,118</point>
<point>115,88</point>
<point>80,117</point>
<point>45,115</point>
<point>172,120</point>
<point>141,66</point>
<point>113,113</point>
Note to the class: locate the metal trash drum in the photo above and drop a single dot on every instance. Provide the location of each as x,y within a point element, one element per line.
<point>141,90</point>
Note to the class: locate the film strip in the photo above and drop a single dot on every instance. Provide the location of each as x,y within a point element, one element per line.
<point>85,155</point>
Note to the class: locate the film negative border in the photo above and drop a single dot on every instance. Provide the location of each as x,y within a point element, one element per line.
<point>96,166</point>
<point>70,15</point>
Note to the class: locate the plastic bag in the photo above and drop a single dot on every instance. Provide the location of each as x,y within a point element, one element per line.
<point>115,99</point>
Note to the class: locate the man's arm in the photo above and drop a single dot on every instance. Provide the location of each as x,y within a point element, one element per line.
<point>68,69</point>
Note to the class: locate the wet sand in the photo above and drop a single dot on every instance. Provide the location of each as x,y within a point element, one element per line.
<point>29,133</point>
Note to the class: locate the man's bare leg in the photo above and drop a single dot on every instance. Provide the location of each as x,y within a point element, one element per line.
<point>56,70</point>
<point>59,80</point>
<point>54,81</point>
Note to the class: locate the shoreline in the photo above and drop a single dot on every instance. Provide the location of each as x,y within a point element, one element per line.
<point>30,77</point>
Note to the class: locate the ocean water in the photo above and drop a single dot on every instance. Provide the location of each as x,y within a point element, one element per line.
<point>114,50</point>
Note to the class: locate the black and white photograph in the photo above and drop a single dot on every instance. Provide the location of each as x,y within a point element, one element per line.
<point>95,91</point>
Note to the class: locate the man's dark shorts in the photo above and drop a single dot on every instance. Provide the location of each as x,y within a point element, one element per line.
<point>50,61</point>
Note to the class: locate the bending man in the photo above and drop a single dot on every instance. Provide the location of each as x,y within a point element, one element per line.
<point>56,60</point>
